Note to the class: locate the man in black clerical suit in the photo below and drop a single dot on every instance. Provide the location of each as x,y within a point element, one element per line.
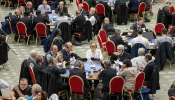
<point>28,22</point>
<point>40,18</point>
<point>56,72</point>
<point>78,22</point>
<point>29,7</point>
<point>14,20</point>
<point>120,55</point>
<point>62,8</point>
<point>117,39</point>
<point>39,69</point>
<point>68,52</point>
<point>78,70</point>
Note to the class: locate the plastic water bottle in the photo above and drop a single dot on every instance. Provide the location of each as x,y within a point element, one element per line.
<point>92,70</point>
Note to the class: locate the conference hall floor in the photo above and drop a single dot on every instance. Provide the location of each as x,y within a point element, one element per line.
<point>12,68</point>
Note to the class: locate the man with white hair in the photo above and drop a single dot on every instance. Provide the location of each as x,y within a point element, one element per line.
<point>92,16</point>
<point>35,89</point>
<point>32,59</point>
<point>14,20</point>
<point>62,8</point>
<point>29,7</point>
<point>139,61</point>
<point>120,55</point>
<point>44,7</point>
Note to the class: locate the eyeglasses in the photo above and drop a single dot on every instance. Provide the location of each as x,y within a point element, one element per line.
<point>119,49</point>
<point>93,46</point>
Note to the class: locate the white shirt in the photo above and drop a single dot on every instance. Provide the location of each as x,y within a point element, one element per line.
<point>59,20</point>
<point>139,61</point>
<point>96,54</point>
<point>92,20</point>
<point>44,9</point>
<point>140,39</point>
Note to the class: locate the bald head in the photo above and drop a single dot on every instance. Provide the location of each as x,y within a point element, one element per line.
<point>92,11</point>
<point>80,6</point>
<point>17,12</point>
<point>106,20</point>
<point>29,4</point>
<point>68,46</point>
<point>117,32</point>
<point>44,3</point>
<point>61,4</point>
<point>54,49</point>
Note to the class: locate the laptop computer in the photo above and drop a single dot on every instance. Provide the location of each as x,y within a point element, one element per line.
<point>148,35</point>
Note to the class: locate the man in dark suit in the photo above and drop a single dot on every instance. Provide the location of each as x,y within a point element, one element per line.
<point>78,22</point>
<point>117,39</point>
<point>91,3</point>
<point>40,18</point>
<point>108,27</point>
<point>32,59</point>
<point>108,12</point>
<point>55,71</point>
<point>39,69</point>
<point>106,75</point>
<point>62,8</point>
<point>78,70</point>
<point>82,11</point>
<point>29,7</point>
<point>149,67</point>
<point>28,22</point>
<point>14,20</point>
<point>133,6</point>
<point>68,52</point>
<point>120,55</point>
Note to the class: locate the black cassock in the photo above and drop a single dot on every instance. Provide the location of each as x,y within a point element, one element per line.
<point>36,3</point>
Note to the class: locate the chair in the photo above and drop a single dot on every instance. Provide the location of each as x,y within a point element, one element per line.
<point>148,11</point>
<point>172,31</point>
<point>141,10</point>
<point>110,47</point>
<point>134,49</point>
<point>21,2</point>
<point>62,93</point>
<point>116,85</point>
<point>100,9</point>
<point>137,86</point>
<point>40,31</point>
<point>77,2</point>
<point>66,31</point>
<point>9,3</point>
<point>103,36</point>
<point>172,98</point>
<point>102,46</point>
<point>77,86</point>
<point>22,31</point>
<point>12,34</point>
<point>158,28</point>
<point>172,10</point>
<point>86,6</point>
<point>32,74</point>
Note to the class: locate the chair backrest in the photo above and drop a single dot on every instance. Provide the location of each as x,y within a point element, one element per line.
<point>110,46</point>
<point>85,6</point>
<point>172,10</point>
<point>172,30</point>
<point>134,49</point>
<point>158,28</point>
<point>100,42</point>
<point>139,81</point>
<point>66,31</point>
<point>21,27</point>
<point>142,7</point>
<point>10,26</point>
<point>100,9</point>
<point>21,1</point>
<point>41,30</point>
<point>32,74</point>
<point>76,84</point>
<point>77,2</point>
<point>172,98</point>
<point>116,85</point>
<point>102,34</point>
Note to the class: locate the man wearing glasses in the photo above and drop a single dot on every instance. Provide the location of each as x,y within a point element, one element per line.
<point>120,55</point>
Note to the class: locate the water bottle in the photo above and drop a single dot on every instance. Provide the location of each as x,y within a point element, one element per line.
<point>92,70</point>
<point>117,67</point>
